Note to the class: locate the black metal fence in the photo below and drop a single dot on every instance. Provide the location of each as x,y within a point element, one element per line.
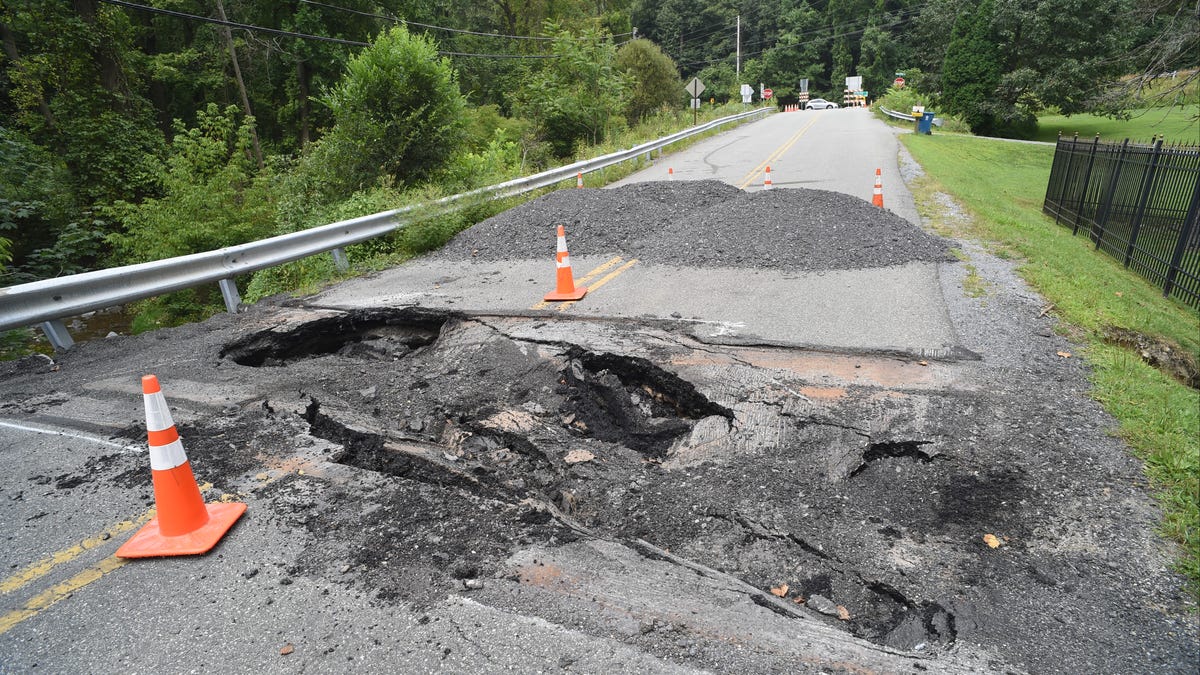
<point>1140,203</point>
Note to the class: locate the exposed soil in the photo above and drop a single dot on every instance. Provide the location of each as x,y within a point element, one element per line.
<point>1158,353</point>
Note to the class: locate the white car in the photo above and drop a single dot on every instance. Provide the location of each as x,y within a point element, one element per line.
<point>821,104</point>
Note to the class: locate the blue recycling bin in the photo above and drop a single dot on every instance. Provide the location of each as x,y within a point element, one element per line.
<point>925,124</point>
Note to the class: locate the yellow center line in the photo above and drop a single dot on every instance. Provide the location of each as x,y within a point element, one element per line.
<point>43,567</point>
<point>583,280</point>
<point>750,177</point>
<point>607,278</point>
<point>58,592</point>
<point>47,564</point>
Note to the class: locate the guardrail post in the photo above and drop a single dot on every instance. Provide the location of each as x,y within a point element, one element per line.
<point>229,292</point>
<point>57,334</point>
<point>1147,188</point>
<point>339,259</point>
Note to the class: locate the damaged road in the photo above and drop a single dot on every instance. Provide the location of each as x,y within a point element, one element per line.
<point>770,444</point>
<point>688,505</point>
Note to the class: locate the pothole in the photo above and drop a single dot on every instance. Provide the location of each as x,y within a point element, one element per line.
<point>370,335</point>
<point>895,449</point>
<point>631,401</point>
<point>413,460</point>
<point>1157,353</point>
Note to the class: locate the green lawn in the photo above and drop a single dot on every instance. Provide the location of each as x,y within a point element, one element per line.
<point>1002,184</point>
<point>1176,124</point>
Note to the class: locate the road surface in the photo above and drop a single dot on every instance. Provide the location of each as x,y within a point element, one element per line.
<point>688,471</point>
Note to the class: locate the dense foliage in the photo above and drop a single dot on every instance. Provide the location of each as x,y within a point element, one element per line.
<point>160,127</point>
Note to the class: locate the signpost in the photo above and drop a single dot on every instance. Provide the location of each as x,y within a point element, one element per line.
<point>695,88</point>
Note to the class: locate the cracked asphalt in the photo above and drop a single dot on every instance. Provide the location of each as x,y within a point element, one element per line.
<point>438,488</point>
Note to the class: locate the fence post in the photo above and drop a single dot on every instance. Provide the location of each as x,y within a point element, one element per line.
<point>1147,188</point>
<point>1064,184</point>
<point>1185,234</point>
<point>1087,180</point>
<point>1101,224</point>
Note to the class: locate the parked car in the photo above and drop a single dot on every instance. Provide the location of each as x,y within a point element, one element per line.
<point>821,104</point>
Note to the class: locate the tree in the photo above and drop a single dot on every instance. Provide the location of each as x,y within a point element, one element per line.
<point>397,114</point>
<point>971,71</point>
<point>655,81</point>
<point>580,93</point>
<point>210,184</point>
<point>1059,53</point>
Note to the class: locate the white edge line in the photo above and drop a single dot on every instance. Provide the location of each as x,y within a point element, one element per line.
<point>71,434</point>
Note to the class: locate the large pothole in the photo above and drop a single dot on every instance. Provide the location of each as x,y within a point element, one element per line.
<point>503,443</point>
<point>373,335</point>
<point>633,402</point>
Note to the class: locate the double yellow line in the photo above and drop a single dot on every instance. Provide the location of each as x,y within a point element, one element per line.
<point>787,145</point>
<point>582,281</point>
<point>62,591</point>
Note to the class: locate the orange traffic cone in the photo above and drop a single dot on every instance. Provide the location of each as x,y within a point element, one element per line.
<point>579,179</point>
<point>670,173</point>
<point>877,197</point>
<point>184,524</point>
<point>767,179</point>
<point>565,286</point>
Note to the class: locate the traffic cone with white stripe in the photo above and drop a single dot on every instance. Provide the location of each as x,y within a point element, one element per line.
<point>565,284</point>
<point>579,179</point>
<point>767,179</point>
<point>877,197</point>
<point>184,524</point>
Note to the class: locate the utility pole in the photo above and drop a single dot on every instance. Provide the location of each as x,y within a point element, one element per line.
<point>739,44</point>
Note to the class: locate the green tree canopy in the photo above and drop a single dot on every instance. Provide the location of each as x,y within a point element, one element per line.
<point>581,93</point>
<point>655,82</point>
<point>397,114</point>
<point>972,69</point>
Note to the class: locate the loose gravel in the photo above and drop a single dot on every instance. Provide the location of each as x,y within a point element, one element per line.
<point>704,223</point>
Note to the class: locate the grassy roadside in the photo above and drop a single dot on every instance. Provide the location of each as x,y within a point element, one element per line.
<point>1177,124</point>
<point>1002,185</point>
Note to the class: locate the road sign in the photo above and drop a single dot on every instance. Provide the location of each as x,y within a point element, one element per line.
<point>747,90</point>
<point>695,87</point>
<point>767,93</point>
<point>898,82</point>
<point>804,86</point>
<point>695,104</point>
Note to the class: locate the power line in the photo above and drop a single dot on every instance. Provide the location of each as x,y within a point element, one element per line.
<point>303,36</point>
<point>234,24</point>
<point>397,19</point>
<point>805,43</point>
<point>423,25</point>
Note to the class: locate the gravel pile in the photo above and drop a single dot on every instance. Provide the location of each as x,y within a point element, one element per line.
<point>704,223</point>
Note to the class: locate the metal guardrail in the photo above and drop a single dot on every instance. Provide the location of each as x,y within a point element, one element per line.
<point>897,115</point>
<point>48,301</point>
